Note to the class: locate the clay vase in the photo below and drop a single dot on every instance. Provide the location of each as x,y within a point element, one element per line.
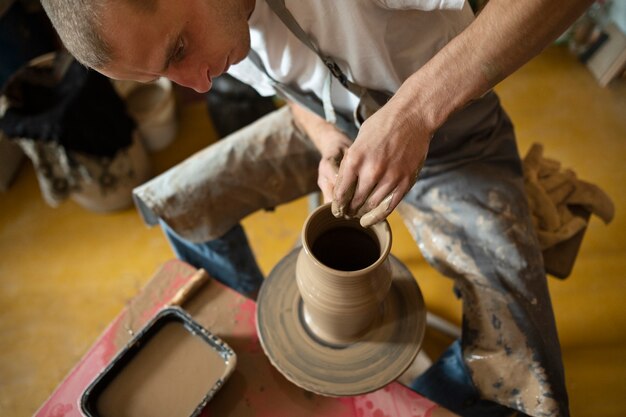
<point>343,274</point>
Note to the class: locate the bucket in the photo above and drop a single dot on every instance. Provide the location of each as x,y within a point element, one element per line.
<point>153,106</point>
<point>76,131</point>
<point>107,184</point>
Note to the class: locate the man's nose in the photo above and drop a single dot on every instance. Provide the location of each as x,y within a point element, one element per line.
<point>197,78</point>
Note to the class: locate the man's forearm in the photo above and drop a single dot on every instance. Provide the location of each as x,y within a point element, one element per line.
<point>316,128</point>
<point>505,36</point>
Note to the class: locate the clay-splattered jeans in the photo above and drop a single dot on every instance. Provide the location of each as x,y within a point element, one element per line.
<point>467,212</point>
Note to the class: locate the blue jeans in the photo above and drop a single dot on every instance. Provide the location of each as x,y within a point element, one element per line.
<point>228,259</point>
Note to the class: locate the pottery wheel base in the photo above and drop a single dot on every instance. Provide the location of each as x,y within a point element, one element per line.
<point>378,358</point>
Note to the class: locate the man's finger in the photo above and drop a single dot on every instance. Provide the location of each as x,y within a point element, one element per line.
<point>379,213</point>
<point>340,200</point>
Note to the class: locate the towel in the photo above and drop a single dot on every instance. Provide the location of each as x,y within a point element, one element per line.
<point>553,191</point>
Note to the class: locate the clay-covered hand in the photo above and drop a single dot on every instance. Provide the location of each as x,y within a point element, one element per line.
<point>381,166</point>
<point>332,147</point>
<point>330,141</point>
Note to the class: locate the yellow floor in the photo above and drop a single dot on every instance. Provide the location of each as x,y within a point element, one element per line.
<point>66,272</point>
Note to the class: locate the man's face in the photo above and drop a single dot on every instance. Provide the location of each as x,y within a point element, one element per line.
<point>190,42</point>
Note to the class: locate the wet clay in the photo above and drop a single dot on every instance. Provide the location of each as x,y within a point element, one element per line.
<point>343,275</point>
<point>353,318</point>
<point>378,357</point>
<point>168,377</point>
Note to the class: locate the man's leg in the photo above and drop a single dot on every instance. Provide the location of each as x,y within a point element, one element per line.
<point>472,223</point>
<point>201,201</point>
<point>448,383</point>
<point>228,259</point>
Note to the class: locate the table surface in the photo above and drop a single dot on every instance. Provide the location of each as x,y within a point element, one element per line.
<point>255,388</point>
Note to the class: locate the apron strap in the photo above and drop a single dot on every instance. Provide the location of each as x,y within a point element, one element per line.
<point>309,101</point>
<point>371,99</point>
<point>279,8</point>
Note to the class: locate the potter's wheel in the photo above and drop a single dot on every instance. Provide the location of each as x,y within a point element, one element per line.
<point>377,359</point>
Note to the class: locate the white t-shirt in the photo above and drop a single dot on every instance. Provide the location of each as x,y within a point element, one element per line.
<point>377,43</point>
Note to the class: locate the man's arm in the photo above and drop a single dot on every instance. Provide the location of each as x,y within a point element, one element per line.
<point>331,143</point>
<point>392,143</point>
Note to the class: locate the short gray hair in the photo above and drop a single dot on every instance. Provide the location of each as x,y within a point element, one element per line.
<point>78,24</point>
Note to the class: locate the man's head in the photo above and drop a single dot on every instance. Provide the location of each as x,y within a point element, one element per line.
<point>189,42</point>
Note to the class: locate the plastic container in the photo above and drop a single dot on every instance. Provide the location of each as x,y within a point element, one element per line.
<point>171,368</point>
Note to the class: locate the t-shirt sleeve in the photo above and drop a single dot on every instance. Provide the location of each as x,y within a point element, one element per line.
<point>248,73</point>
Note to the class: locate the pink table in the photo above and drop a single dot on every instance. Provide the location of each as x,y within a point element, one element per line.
<point>255,388</point>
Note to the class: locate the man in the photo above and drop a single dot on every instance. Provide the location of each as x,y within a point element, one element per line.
<point>435,63</point>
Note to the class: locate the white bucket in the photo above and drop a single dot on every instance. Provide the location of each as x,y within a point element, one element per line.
<point>108,187</point>
<point>153,106</point>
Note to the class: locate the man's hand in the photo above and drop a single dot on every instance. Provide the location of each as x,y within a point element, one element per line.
<point>331,143</point>
<point>335,144</point>
<point>382,165</point>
